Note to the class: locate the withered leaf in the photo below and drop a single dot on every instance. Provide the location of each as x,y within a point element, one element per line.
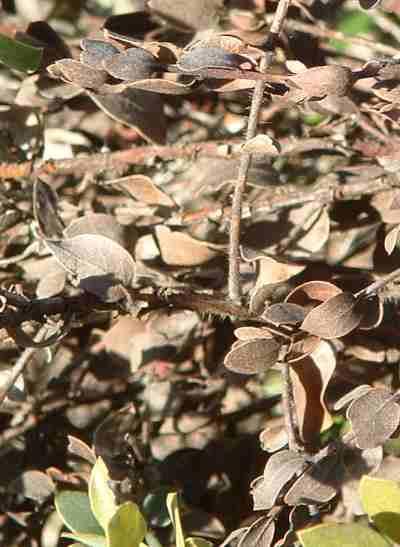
<point>280,469</point>
<point>249,333</point>
<point>318,484</point>
<point>136,108</point>
<point>302,348</point>
<point>310,377</point>
<point>310,291</point>
<point>180,249</point>
<point>94,52</point>
<point>334,318</point>
<point>319,81</point>
<point>198,58</point>
<point>273,438</point>
<point>285,313</point>
<point>100,264</point>
<point>252,356</point>
<point>97,223</point>
<point>260,533</point>
<point>355,393</point>
<point>82,450</point>
<point>202,14</point>
<point>135,63</point>
<point>33,485</point>
<point>374,417</point>
<point>143,189</point>
<point>262,144</point>
<point>78,74</point>
<point>46,210</point>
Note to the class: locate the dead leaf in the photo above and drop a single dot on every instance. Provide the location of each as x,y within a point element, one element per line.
<point>136,108</point>
<point>374,417</point>
<point>280,469</point>
<point>99,264</point>
<point>334,318</point>
<point>252,356</point>
<point>201,15</point>
<point>143,189</point>
<point>180,249</point>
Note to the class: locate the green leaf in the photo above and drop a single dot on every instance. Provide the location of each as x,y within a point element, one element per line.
<point>340,535</point>
<point>381,501</point>
<point>173,510</point>
<point>19,55</point>
<point>91,540</point>
<point>74,510</point>
<point>197,542</point>
<point>102,499</point>
<point>127,527</point>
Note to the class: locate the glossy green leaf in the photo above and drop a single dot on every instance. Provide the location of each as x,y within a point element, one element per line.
<point>381,501</point>
<point>91,540</point>
<point>127,527</point>
<point>19,55</point>
<point>102,499</point>
<point>75,512</point>
<point>340,535</point>
<point>173,510</point>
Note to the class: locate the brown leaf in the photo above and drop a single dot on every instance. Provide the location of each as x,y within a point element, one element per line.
<point>133,64</point>
<point>280,469</point>
<point>78,74</point>
<point>94,52</point>
<point>319,81</point>
<point>285,313</point>
<point>80,449</point>
<point>252,356</point>
<point>198,58</point>
<point>143,189</point>
<point>260,533</point>
<point>310,291</point>
<point>180,249</point>
<point>315,227</point>
<point>136,108</point>
<point>99,264</point>
<point>318,484</point>
<point>201,15</point>
<point>46,210</point>
<point>262,144</point>
<point>33,485</point>
<point>353,394</point>
<point>333,318</point>
<point>310,377</point>
<point>374,417</point>
<point>250,333</point>
<point>273,438</point>
<point>100,224</point>
<point>302,348</point>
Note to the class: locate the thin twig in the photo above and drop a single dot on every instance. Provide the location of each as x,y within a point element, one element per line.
<point>236,213</point>
<point>234,286</point>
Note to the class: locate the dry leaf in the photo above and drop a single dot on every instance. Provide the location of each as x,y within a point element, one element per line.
<point>310,377</point>
<point>334,318</point>
<point>180,249</point>
<point>262,144</point>
<point>252,356</point>
<point>143,189</point>
<point>280,469</point>
<point>99,264</point>
<point>201,15</point>
<point>136,108</point>
<point>374,417</point>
